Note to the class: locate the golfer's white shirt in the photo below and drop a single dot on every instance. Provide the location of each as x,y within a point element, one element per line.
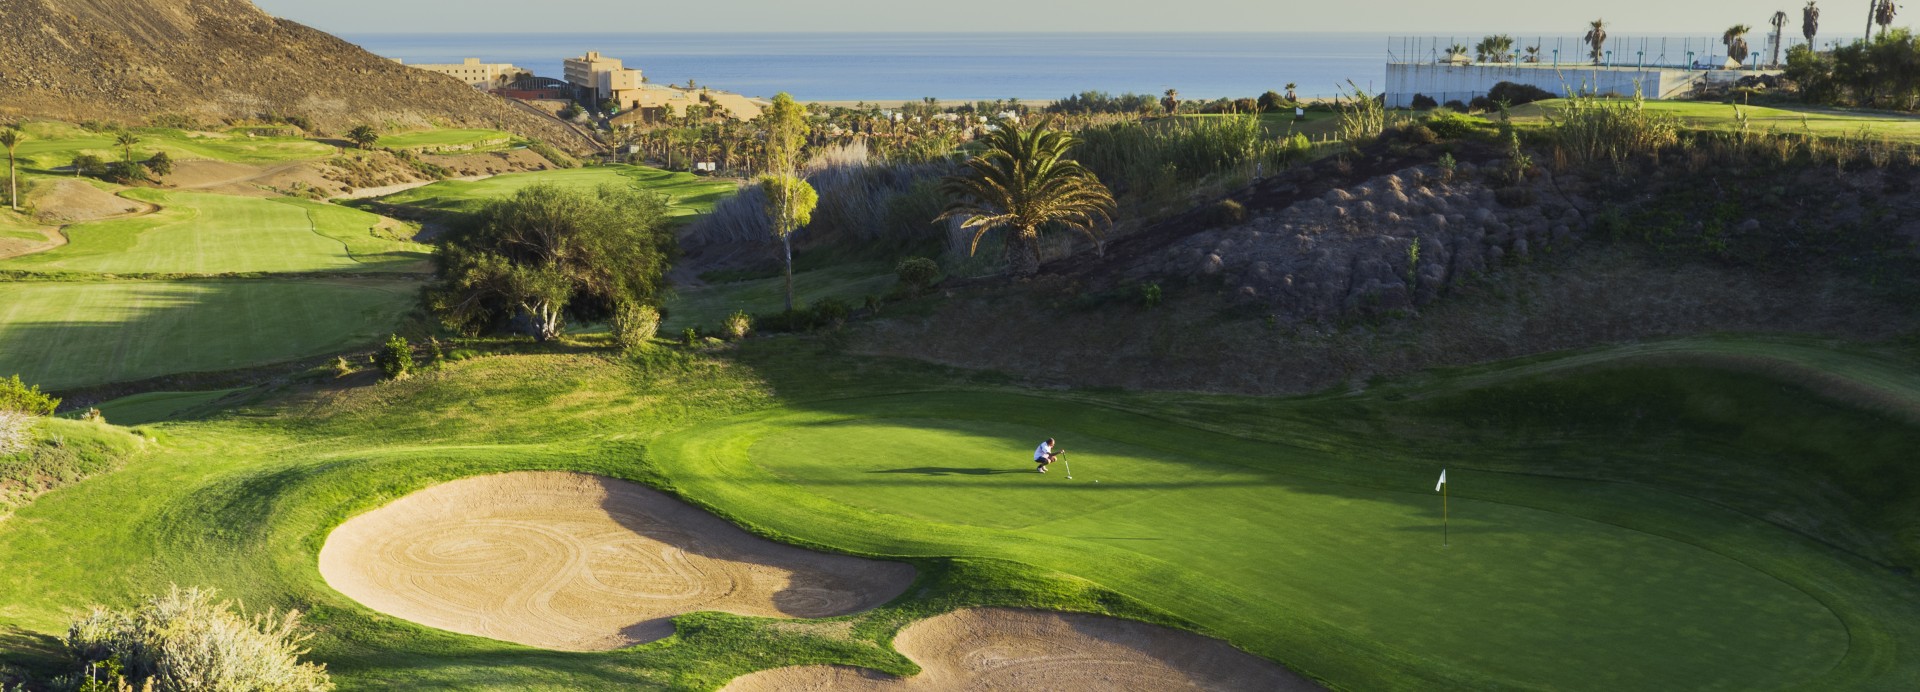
<point>1042,452</point>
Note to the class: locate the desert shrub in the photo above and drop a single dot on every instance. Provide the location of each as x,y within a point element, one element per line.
<point>1419,133</point>
<point>16,395</point>
<point>1150,295</point>
<point>342,367</point>
<point>1517,94</point>
<point>1456,105</point>
<point>737,325</point>
<point>830,311</point>
<point>184,640</point>
<point>635,324</point>
<point>1454,125</point>
<point>917,273</point>
<point>1423,102</point>
<point>1226,212</point>
<point>395,357</point>
<point>1591,130</point>
<point>16,430</point>
<point>435,353</point>
<point>552,153</point>
<point>1158,161</point>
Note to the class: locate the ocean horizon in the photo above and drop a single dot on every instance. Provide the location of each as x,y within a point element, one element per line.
<point>947,66</point>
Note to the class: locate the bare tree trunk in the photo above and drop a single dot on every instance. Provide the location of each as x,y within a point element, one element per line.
<point>1023,252</point>
<point>787,242</point>
<point>13,184</point>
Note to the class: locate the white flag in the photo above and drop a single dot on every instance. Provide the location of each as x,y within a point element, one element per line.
<point>1443,480</point>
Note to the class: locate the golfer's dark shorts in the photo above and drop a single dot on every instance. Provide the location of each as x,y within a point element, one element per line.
<point>1043,461</point>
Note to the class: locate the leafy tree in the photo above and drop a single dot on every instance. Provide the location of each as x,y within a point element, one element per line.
<point>10,138</point>
<point>126,140</point>
<point>1024,182</point>
<point>609,106</point>
<point>550,253</point>
<point>160,163</point>
<point>790,203</point>
<point>89,165</point>
<point>363,136</point>
<point>572,111</point>
<point>1596,39</point>
<point>1272,101</point>
<point>16,395</point>
<point>786,125</point>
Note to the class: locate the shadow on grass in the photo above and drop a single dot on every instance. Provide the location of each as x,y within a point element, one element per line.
<point>951,471</point>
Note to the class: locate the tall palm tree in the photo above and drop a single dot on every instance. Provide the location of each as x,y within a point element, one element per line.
<point>1533,54</point>
<point>1171,101</point>
<point>1873,10</point>
<point>1290,97</point>
<point>1810,22</point>
<point>10,138</point>
<point>1456,53</point>
<point>1779,28</point>
<point>1596,38</point>
<point>1883,15</point>
<point>1735,38</point>
<point>1022,183</point>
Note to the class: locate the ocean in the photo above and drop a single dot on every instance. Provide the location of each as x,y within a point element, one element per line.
<point>950,67</point>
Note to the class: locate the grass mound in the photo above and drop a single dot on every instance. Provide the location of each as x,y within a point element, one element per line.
<point>63,452</point>
<point>688,194</point>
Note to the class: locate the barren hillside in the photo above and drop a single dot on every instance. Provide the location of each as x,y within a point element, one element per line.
<point>130,60</point>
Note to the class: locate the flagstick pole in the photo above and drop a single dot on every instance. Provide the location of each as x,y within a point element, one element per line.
<point>1443,515</point>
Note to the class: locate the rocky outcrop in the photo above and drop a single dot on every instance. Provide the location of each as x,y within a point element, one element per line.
<point>210,60</point>
<point>1393,243</point>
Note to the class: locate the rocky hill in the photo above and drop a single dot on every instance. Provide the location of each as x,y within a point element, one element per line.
<point>209,60</point>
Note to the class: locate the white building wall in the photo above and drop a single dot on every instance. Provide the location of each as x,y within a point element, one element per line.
<point>1464,82</point>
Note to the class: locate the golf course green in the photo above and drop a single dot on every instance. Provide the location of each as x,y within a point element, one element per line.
<point>1736,525</point>
<point>203,233</point>
<point>688,194</point>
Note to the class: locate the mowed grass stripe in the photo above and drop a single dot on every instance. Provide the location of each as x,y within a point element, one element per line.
<point>61,334</point>
<point>689,194</point>
<point>202,233</point>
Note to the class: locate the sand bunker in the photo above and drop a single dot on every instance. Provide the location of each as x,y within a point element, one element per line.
<point>581,563</point>
<point>73,201</point>
<point>1002,649</point>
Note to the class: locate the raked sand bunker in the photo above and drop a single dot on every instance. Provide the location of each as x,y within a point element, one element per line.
<point>1006,649</point>
<point>578,562</point>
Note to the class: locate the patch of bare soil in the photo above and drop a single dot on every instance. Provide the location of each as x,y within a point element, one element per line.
<point>581,563</point>
<point>1005,649</point>
<point>491,163</point>
<point>73,201</point>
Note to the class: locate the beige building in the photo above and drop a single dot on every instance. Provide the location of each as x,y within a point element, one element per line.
<point>479,75</point>
<point>605,76</point>
<point>651,102</point>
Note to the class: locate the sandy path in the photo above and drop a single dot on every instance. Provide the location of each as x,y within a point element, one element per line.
<point>1003,649</point>
<point>581,563</point>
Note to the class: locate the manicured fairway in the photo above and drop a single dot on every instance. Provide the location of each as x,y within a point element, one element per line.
<point>202,233</point>
<point>1661,517</point>
<point>687,193</point>
<point>62,334</point>
<point>154,407</point>
<point>1824,122</point>
<point>51,145</point>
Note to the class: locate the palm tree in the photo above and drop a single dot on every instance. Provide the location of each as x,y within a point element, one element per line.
<point>126,139</point>
<point>1290,97</point>
<point>1022,183</point>
<point>1810,22</point>
<point>1597,39</point>
<point>1873,10</point>
<point>1883,15</point>
<point>1495,49</point>
<point>1735,39</point>
<point>1171,101</point>
<point>1456,53</point>
<point>1779,27</point>
<point>1533,54</point>
<point>10,138</point>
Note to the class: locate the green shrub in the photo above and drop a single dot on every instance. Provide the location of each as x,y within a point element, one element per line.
<point>342,367</point>
<point>830,311</point>
<point>17,396</point>
<point>635,324</point>
<point>1454,125</point>
<point>1226,212</point>
<point>1595,130</point>
<point>690,335</point>
<point>1150,295</point>
<point>1517,94</point>
<point>1423,102</point>
<point>395,357</point>
<point>435,354</point>
<point>184,640</point>
<point>917,273</point>
<point>738,325</point>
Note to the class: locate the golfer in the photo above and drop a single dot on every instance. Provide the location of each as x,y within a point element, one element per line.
<point>1044,455</point>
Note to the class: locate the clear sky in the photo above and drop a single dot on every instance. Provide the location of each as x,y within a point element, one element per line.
<point>1371,16</point>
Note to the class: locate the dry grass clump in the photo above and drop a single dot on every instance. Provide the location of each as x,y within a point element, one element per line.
<point>16,430</point>
<point>184,640</point>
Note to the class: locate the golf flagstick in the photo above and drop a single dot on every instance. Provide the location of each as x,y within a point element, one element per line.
<point>1442,487</point>
<point>1063,460</point>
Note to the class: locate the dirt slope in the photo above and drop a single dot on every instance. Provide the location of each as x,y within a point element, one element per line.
<point>130,60</point>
